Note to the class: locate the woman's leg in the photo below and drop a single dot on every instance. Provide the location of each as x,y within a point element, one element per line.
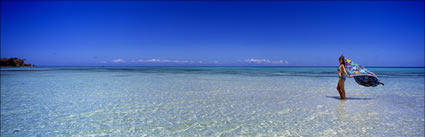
<point>341,86</point>
<point>338,88</point>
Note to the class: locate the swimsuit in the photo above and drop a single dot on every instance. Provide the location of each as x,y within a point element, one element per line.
<point>341,77</point>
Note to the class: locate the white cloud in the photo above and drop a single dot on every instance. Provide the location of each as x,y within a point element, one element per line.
<point>266,61</point>
<point>156,60</point>
<point>259,61</point>
<point>166,61</point>
<point>118,60</point>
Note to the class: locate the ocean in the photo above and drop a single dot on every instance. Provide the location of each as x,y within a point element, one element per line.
<point>208,101</point>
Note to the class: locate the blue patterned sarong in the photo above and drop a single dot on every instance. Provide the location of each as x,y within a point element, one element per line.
<point>361,75</point>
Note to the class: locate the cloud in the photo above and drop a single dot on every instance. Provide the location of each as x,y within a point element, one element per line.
<point>166,61</point>
<point>215,62</point>
<point>118,60</point>
<point>266,61</point>
<point>259,61</point>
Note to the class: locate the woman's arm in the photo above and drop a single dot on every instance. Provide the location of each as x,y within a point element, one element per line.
<point>343,67</point>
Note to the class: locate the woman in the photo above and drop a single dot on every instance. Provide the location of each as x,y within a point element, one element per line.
<point>341,72</point>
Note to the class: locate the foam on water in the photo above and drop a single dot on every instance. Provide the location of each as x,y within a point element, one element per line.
<point>207,101</point>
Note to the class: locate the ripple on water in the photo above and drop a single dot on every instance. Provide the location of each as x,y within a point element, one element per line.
<point>195,103</point>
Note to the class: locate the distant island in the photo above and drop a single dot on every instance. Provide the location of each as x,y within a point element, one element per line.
<point>14,62</point>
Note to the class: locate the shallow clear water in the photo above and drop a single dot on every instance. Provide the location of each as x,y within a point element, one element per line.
<point>208,101</point>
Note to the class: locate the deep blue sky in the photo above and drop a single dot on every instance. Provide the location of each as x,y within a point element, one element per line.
<point>213,33</point>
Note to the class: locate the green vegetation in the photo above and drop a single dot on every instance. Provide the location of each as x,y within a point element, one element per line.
<point>13,62</point>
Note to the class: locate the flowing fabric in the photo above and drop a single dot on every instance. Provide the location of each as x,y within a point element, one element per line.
<point>361,75</point>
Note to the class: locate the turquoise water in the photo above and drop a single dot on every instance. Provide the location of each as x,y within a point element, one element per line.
<point>208,101</point>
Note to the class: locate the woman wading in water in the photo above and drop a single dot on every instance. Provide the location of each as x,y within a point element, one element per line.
<point>341,74</point>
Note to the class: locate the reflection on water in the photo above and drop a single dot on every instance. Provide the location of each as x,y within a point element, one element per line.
<point>341,111</point>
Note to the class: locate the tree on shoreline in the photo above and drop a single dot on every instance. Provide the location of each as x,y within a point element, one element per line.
<point>13,62</point>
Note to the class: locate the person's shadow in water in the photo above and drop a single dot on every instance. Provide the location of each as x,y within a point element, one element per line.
<point>348,98</point>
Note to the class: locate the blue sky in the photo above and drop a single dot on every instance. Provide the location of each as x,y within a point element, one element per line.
<point>112,33</point>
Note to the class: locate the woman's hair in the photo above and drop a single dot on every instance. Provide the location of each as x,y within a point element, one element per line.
<point>343,60</point>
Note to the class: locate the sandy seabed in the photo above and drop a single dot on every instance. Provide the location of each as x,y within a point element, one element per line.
<point>98,102</point>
